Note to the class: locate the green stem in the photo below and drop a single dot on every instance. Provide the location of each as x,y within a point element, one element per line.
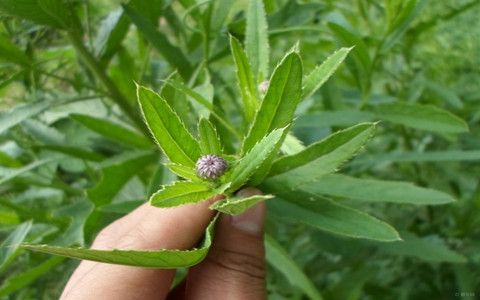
<point>95,66</point>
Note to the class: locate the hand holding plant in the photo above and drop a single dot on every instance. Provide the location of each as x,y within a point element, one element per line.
<point>234,267</point>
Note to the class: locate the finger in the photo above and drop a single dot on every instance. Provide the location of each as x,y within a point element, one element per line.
<point>146,228</point>
<point>235,265</point>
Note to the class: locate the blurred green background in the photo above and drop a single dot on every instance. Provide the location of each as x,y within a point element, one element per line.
<point>74,154</point>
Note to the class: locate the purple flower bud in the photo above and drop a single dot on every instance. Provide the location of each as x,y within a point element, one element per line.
<point>211,166</point>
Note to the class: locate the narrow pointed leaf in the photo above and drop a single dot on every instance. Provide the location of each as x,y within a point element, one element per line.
<point>116,171</point>
<point>209,140</point>
<point>236,205</point>
<point>279,259</point>
<point>204,102</point>
<point>113,131</point>
<point>370,190</point>
<point>280,102</point>
<point>320,74</point>
<point>20,113</point>
<point>219,12</point>
<point>246,82</point>
<point>411,156</point>
<point>253,160</point>
<point>360,52</point>
<point>422,117</point>
<point>172,54</point>
<point>7,250</point>
<point>332,217</point>
<point>16,282</point>
<point>167,259</point>
<point>75,152</point>
<point>257,39</point>
<point>53,13</point>
<point>183,171</point>
<point>341,118</point>
<point>292,145</point>
<point>317,160</point>
<point>181,192</point>
<point>423,249</point>
<point>264,168</point>
<point>11,53</point>
<point>360,62</point>
<point>20,171</point>
<point>171,135</point>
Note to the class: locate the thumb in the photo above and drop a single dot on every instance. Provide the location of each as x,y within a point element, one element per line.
<point>235,266</point>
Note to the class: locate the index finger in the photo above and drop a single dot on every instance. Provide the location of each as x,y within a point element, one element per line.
<point>146,228</point>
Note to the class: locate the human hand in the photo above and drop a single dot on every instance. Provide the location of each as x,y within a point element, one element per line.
<point>233,269</point>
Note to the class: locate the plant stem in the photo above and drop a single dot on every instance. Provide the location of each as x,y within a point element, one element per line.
<point>95,66</point>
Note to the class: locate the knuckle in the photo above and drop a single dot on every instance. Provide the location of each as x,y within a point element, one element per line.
<point>241,264</point>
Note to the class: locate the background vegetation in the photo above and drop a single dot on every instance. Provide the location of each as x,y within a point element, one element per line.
<point>75,154</point>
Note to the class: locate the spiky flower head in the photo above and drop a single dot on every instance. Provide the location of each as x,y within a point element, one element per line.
<point>211,166</point>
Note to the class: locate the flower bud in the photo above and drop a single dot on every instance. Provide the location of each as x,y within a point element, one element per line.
<point>211,166</point>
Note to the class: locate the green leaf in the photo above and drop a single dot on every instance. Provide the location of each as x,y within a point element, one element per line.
<point>246,81</point>
<point>183,171</point>
<point>22,112</point>
<point>360,52</point>
<point>116,171</point>
<point>219,12</point>
<point>113,131</point>
<point>291,145</point>
<point>53,13</point>
<point>16,282</point>
<point>257,47</point>
<point>370,190</point>
<point>422,248</point>
<point>262,172</point>
<point>172,54</point>
<point>334,118</point>
<point>209,140</point>
<point>111,33</point>
<point>171,135</point>
<point>360,57</point>
<point>253,160</point>
<point>11,53</point>
<point>424,117</point>
<point>177,100</point>
<point>10,162</point>
<point>200,99</point>
<point>332,217</point>
<point>400,24</point>
<point>431,156</point>
<point>351,286</point>
<point>77,213</point>
<point>166,259</point>
<point>181,192</point>
<point>320,74</point>
<point>280,102</point>
<point>448,95</point>
<point>7,249</point>
<point>279,259</point>
<point>75,152</point>
<point>236,205</point>
<point>20,171</point>
<point>317,160</point>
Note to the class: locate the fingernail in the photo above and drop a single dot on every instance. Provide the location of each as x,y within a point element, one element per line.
<point>253,219</point>
<point>247,192</point>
